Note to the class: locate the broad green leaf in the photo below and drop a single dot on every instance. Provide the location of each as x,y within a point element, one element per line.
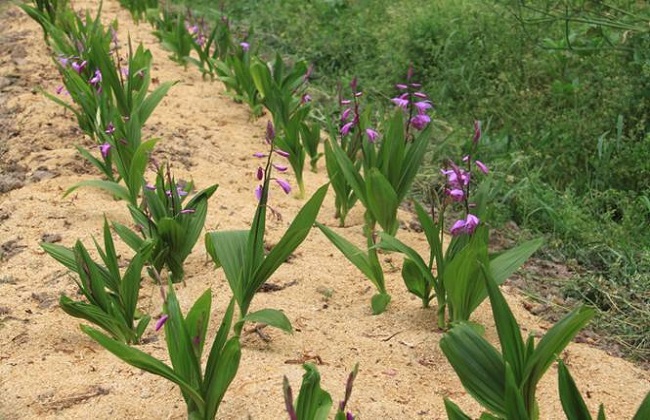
<point>644,409</point>
<point>513,397</point>
<point>379,303</point>
<point>271,317</point>
<point>554,342</point>
<point>454,412</point>
<point>225,370</point>
<point>179,343</point>
<point>572,402</point>
<point>143,361</point>
<point>313,403</point>
<point>129,237</point>
<point>146,108</point>
<point>62,254</point>
<point>129,288</point>
<point>509,261</point>
<point>292,238</point>
<point>413,278</point>
<point>353,253</point>
<point>479,366</point>
<point>227,249</point>
<point>350,173</point>
<point>431,232</point>
<point>111,187</point>
<point>382,200</point>
<point>218,344</point>
<point>512,344</point>
<point>93,314</point>
<point>197,320</point>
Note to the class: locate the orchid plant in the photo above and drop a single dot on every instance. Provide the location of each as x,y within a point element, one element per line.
<point>314,403</point>
<point>139,9</point>
<point>388,166</point>
<point>175,34</point>
<point>453,276</point>
<point>111,298</point>
<point>202,389</point>
<point>505,382</point>
<point>282,92</point>
<point>241,252</point>
<point>163,219</point>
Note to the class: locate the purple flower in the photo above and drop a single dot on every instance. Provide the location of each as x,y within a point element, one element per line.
<point>471,223</point>
<point>465,226</point>
<point>420,121</point>
<point>481,166</point>
<point>458,227</point>
<point>349,416</point>
<point>259,155</point>
<point>346,114</point>
<point>59,90</point>
<point>63,61</point>
<point>245,46</point>
<point>401,101</point>
<point>281,153</point>
<point>150,187</point>
<point>110,128</point>
<point>305,98</point>
<point>96,78</point>
<point>423,106</point>
<point>420,95</point>
<point>188,211</point>
<point>78,67</point>
<point>284,185</point>
<point>181,192</point>
<point>258,192</point>
<point>372,135</point>
<point>401,86</point>
<point>161,321</point>
<point>345,130</point>
<point>270,132</point>
<point>280,168</point>
<point>260,173</point>
<point>456,194</point>
<point>104,149</point>
<point>345,102</point>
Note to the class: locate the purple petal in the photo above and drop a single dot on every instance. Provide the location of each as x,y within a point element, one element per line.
<point>401,86</point>
<point>260,173</point>
<point>423,106</point>
<point>346,114</point>
<point>345,102</point>
<point>280,168</point>
<point>188,211</point>
<point>284,185</point>
<point>104,149</point>
<point>110,128</point>
<point>456,194</point>
<point>259,155</point>
<point>420,121</point>
<point>345,130</point>
<point>258,192</point>
<point>270,132</point>
<point>282,153</point>
<point>420,95</point>
<point>245,46</point>
<point>458,227</point>
<point>481,166</point>
<point>161,321</point>
<point>471,223</point>
<point>372,135</point>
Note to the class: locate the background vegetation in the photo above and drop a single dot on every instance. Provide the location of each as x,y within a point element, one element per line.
<point>563,89</point>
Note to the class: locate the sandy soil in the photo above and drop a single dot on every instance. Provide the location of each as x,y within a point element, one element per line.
<point>50,370</point>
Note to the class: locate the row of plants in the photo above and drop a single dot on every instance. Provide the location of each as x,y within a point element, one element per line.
<point>370,158</point>
<point>562,88</point>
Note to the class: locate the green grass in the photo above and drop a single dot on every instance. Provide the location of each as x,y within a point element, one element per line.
<point>565,105</point>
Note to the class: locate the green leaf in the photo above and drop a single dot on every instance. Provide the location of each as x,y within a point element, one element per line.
<point>454,412</point>
<point>225,370</point>
<point>514,402</point>
<point>350,173</point>
<point>143,361</point>
<point>197,320</point>
<point>479,366</point>
<point>512,344</point>
<point>509,261</point>
<point>572,402</point>
<point>62,254</point>
<point>382,200</point>
<point>218,343</point>
<point>554,342</point>
<point>292,238</point>
<point>644,409</point>
<point>146,108</point>
<point>111,187</point>
<point>353,253</point>
<point>412,276</point>
<point>93,314</point>
<point>271,317</point>
<point>379,303</point>
<point>313,402</point>
<point>228,250</point>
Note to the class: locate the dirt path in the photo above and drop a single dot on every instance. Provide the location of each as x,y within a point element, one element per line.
<point>49,369</point>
